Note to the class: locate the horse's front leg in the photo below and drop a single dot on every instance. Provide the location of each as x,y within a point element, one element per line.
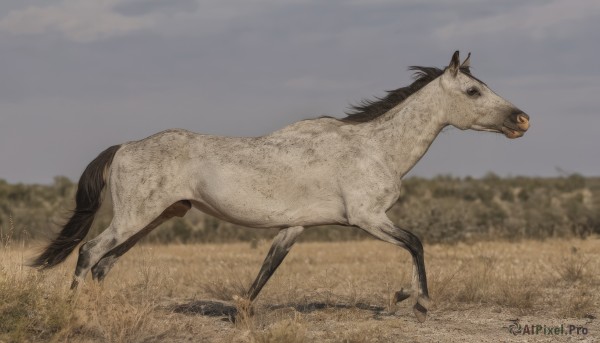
<point>385,230</point>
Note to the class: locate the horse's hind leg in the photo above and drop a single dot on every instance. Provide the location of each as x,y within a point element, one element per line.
<point>279,249</point>
<point>122,228</point>
<point>100,269</point>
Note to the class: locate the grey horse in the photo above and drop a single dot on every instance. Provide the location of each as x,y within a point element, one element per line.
<point>314,172</point>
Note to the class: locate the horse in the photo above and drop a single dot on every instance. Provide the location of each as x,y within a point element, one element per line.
<point>344,171</point>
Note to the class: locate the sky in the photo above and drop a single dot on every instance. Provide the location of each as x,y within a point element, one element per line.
<point>79,76</point>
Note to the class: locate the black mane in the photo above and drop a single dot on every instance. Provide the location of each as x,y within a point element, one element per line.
<point>368,110</point>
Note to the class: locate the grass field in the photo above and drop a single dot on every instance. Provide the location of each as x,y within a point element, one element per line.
<point>323,292</point>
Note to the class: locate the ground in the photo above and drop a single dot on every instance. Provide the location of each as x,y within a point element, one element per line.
<point>323,292</point>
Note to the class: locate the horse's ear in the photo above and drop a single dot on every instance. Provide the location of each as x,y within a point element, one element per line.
<point>467,62</point>
<point>454,64</point>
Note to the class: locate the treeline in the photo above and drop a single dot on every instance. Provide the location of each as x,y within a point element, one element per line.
<point>442,209</point>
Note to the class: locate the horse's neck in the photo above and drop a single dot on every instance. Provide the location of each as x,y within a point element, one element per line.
<point>406,131</point>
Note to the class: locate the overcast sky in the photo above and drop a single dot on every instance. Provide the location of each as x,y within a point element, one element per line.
<point>77,76</point>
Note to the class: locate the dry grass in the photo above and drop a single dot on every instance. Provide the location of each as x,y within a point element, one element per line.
<point>331,292</point>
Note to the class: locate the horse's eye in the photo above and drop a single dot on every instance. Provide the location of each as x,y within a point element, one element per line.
<point>473,91</point>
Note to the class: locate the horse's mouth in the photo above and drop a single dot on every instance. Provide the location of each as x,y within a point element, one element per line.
<point>512,133</point>
<point>516,125</point>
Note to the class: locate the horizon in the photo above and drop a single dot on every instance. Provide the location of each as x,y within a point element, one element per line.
<point>560,174</point>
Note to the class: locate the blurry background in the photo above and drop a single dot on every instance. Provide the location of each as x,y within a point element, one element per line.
<point>79,76</point>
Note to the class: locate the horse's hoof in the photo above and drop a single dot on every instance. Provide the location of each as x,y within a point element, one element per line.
<point>243,306</point>
<point>420,309</point>
<point>401,295</point>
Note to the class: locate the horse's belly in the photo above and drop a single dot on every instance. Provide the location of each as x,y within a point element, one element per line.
<point>264,213</point>
<point>267,198</point>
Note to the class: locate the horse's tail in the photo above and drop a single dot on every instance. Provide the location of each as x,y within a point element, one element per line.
<point>88,200</point>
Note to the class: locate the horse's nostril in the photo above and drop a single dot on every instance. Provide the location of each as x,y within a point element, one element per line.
<point>522,121</point>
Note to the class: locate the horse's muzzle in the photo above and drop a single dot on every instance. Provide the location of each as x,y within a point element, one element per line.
<point>516,125</point>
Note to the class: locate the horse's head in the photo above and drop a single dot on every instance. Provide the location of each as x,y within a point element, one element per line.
<point>473,105</point>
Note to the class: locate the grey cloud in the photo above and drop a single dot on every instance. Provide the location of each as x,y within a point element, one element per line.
<point>78,21</point>
<point>143,7</point>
